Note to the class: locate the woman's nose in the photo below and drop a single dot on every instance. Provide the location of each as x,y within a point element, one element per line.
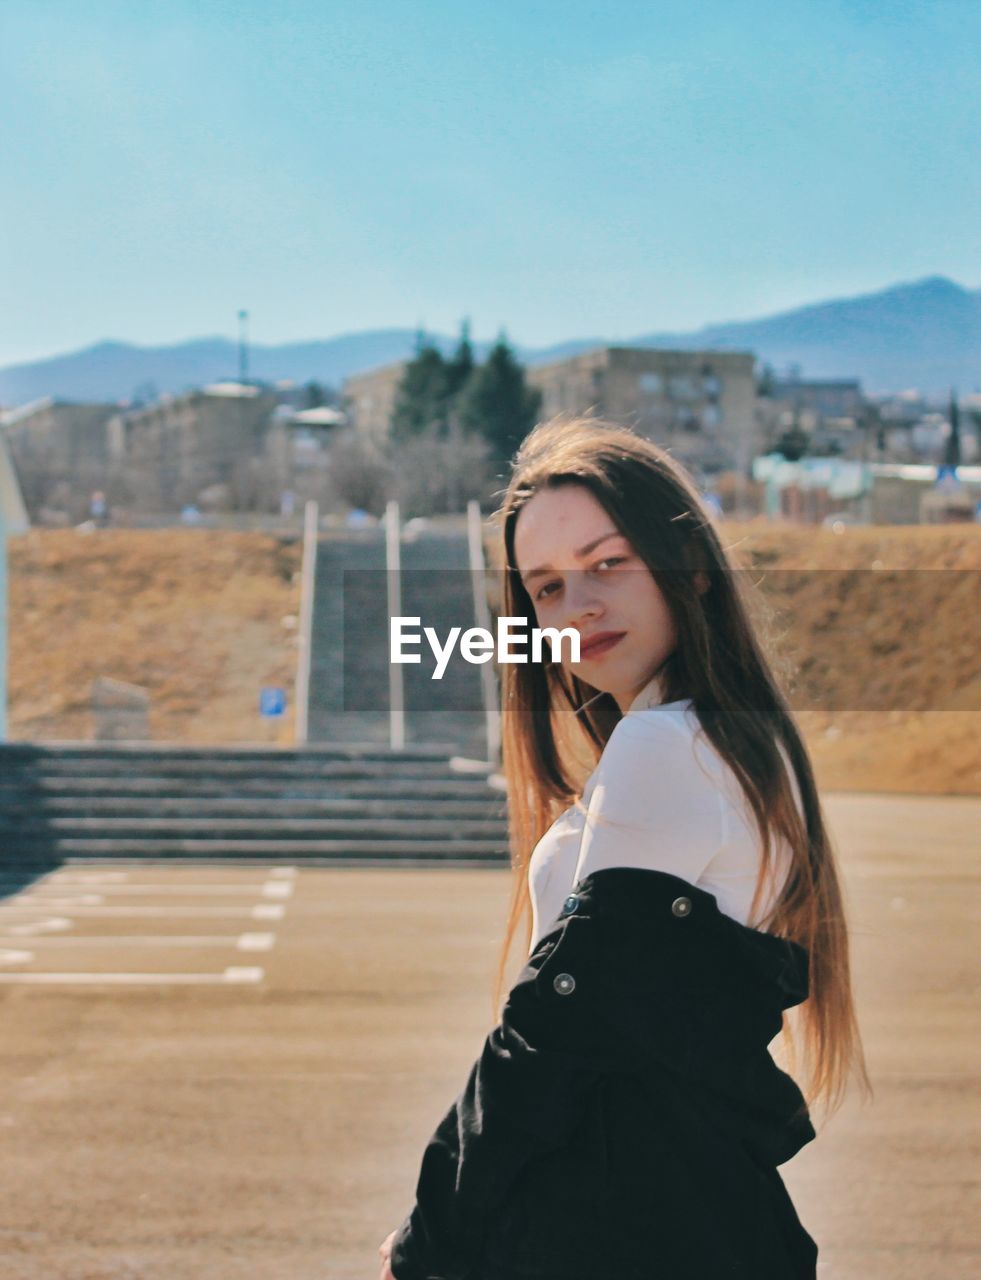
<point>581,597</point>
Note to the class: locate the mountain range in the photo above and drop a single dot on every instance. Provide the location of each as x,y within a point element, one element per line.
<point>924,334</point>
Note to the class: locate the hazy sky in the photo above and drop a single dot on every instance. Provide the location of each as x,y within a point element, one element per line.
<point>562,169</point>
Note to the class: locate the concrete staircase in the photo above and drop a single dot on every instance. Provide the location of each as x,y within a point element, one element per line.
<point>348,661</point>
<point>349,679</point>
<point>323,806</point>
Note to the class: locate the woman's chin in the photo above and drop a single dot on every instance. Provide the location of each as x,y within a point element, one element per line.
<point>600,682</point>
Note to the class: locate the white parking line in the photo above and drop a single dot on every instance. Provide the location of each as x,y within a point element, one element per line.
<point>45,901</point>
<point>242,941</point>
<point>93,877</point>
<point>233,974</point>
<point>34,898</point>
<point>50,925</point>
<point>268,911</point>
<point>62,879</point>
<point>264,911</point>
<point>256,941</point>
<point>277,889</point>
<point>268,889</point>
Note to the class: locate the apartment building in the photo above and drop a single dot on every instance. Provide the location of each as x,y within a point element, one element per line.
<point>369,399</point>
<point>699,404</point>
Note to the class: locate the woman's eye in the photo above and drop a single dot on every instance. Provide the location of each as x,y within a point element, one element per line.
<point>607,560</point>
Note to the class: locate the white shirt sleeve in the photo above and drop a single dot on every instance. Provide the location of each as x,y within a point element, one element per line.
<point>654,803</point>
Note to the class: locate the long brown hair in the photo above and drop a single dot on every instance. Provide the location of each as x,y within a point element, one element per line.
<point>718,663</point>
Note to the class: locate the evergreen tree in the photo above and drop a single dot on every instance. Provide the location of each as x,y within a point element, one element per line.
<point>423,394</point>
<point>459,369</point>
<point>314,395</point>
<point>793,443</point>
<point>765,380</point>
<point>497,402</point>
<point>952,448</point>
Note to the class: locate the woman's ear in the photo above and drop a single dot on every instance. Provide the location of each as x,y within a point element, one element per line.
<point>701,582</point>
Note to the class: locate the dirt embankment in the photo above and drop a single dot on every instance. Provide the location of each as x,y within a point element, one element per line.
<point>203,620</point>
<point>882,626</point>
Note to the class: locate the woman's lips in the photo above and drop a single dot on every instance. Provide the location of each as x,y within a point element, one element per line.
<point>600,646</point>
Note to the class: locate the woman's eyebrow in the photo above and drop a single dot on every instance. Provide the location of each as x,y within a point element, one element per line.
<point>583,551</point>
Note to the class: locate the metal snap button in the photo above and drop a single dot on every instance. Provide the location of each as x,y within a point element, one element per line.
<point>571,904</point>
<point>564,984</point>
<point>681,906</point>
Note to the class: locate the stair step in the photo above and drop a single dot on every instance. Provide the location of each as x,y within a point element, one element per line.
<point>459,787</point>
<point>216,807</point>
<point>234,768</point>
<point>231,828</point>
<point>264,846</point>
<point>34,751</point>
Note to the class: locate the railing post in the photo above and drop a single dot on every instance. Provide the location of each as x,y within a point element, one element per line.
<point>308,578</point>
<point>3,623</point>
<point>481,609</point>
<point>393,570</point>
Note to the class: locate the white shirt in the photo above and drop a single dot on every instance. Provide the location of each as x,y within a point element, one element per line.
<point>663,798</point>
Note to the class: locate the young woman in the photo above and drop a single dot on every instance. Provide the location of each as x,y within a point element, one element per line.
<point>625,1118</point>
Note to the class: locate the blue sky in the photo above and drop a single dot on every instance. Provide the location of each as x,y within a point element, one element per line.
<point>560,169</point>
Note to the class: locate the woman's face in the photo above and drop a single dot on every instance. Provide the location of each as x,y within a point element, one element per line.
<point>581,572</point>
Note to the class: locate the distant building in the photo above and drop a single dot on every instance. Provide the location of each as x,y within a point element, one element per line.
<point>698,404</point>
<point>916,427</point>
<point>164,455</point>
<point>60,451</point>
<point>13,510</point>
<point>903,409</point>
<point>369,399</point>
<point>228,446</point>
<point>298,446</point>
<point>830,412</point>
<point>823,397</point>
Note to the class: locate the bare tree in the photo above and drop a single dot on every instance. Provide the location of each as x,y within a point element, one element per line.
<point>360,476</point>
<point>438,473</point>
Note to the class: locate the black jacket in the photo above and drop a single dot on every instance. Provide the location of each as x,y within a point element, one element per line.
<point>625,1118</point>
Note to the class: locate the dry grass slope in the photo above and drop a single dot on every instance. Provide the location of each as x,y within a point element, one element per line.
<point>195,617</point>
